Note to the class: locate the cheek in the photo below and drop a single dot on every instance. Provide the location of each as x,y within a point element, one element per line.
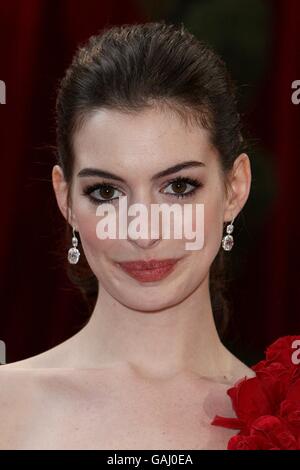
<point>87,223</point>
<point>213,224</point>
<point>208,219</point>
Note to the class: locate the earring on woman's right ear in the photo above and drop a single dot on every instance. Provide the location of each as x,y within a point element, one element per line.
<point>227,240</point>
<point>74,253</point>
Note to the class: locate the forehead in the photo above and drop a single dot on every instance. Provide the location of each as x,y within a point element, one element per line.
<point>144,141</point>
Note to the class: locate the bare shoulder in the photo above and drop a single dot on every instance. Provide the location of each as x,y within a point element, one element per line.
<point>57,357</point>
<point>13,382</point>
<point>26,394</point>
<point>26,388</point>
<point>239,369</point>
<point>15,390</point>
<point>40,361</point>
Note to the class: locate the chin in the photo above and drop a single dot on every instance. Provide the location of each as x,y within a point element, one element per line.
<point>151,300</point>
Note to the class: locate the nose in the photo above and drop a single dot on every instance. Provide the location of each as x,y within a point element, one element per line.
<point>144,243</point>
<point>145,240</point>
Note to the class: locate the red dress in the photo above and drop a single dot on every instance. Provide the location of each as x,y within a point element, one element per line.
<point>267,406</point>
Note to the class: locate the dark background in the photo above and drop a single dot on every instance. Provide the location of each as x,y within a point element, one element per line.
<point>260,42</point>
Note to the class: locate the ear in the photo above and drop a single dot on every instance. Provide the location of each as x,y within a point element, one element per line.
<point>239,187</point>
<point>60,187</point>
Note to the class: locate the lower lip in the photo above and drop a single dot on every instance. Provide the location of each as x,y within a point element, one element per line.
<point>150,275</point>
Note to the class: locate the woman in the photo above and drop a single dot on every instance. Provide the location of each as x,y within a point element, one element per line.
<point>147,112</point>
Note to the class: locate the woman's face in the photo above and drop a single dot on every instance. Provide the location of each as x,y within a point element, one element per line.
<point>135,147</point>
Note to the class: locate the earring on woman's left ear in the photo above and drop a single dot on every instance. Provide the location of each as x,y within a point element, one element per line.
<point>227,240</point>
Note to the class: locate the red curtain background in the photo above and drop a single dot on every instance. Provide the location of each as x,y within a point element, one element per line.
<point>267,296</point>
<point>39,308</point>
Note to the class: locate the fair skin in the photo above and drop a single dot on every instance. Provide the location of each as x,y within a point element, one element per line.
<point>158,338</point>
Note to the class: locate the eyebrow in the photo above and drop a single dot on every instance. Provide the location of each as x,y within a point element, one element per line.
<point>106,174</point>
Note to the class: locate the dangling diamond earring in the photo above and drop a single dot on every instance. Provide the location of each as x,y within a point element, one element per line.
<point>227,240</point>
<point>73,253</point>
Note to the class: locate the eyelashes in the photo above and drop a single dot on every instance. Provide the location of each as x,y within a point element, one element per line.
<point>107,189</point>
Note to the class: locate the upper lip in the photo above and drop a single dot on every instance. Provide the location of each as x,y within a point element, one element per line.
<point>149,264</point>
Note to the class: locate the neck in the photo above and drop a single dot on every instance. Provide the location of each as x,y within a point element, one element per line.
<point>181,338</point>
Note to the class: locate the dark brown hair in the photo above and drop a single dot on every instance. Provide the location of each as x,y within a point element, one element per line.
<point>129,68</point>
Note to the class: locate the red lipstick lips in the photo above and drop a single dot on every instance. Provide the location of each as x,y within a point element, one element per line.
<point>149,271</point>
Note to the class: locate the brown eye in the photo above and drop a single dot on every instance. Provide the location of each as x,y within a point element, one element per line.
<point>182,187</point>
<point>106,192</point>
<point>179,187</point>
<point>100,193</point>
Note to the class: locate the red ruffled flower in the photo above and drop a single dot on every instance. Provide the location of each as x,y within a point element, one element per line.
<point>268,406</point>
